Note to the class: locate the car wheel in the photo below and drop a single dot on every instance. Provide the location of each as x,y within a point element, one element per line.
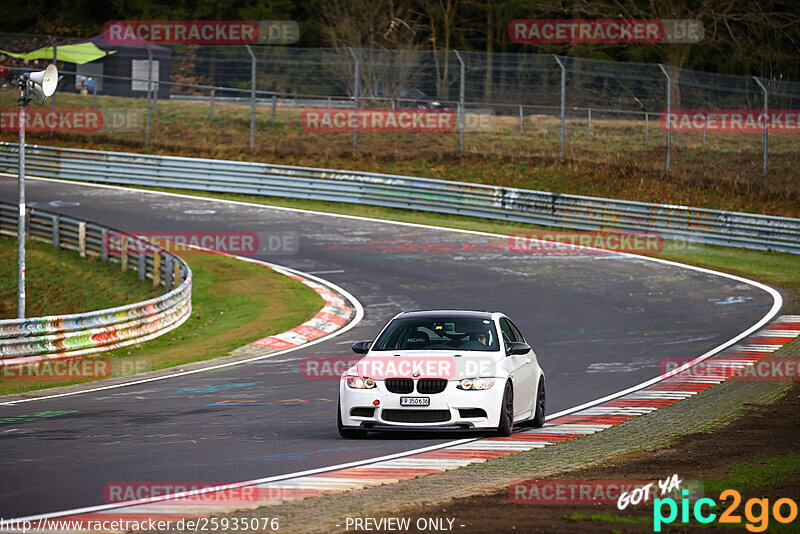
<point>506,425</point>
<point>348,433</point>
<point>541,404</point>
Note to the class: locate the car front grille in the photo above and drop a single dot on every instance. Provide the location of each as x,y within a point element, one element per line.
<point>400,385</point>
<point>416,416</point>
<point>431,385</point>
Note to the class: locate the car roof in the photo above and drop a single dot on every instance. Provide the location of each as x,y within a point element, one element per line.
<point>463,314</point>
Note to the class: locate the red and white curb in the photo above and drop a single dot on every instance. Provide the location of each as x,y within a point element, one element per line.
<point>669,389</point>
<point>336,313</point>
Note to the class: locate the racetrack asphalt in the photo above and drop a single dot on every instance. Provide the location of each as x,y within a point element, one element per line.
<point>598,322</point>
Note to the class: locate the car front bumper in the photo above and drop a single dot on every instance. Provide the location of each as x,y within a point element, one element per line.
<point>452,400</point>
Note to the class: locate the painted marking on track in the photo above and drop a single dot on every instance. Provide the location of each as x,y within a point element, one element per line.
<point>217,387</point>
<point>248,402</point>
<point>35,417</point>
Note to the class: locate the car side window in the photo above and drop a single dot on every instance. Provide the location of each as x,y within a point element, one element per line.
<point>517,333</point>
<point>508,331</point>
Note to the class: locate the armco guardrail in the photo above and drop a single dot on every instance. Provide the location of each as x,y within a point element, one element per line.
<point>535,207</point>
<point>96,331</point>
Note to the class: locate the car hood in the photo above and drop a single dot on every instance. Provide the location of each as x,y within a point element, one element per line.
<point>451,365</point>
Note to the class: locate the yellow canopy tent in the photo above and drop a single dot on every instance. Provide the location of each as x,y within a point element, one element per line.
<point>77,53</point>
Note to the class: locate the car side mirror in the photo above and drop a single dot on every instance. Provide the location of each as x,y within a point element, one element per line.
<point>361,347</point>
<point>518,347</point>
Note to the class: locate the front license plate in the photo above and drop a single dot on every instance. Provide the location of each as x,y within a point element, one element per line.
<point>415,401</point>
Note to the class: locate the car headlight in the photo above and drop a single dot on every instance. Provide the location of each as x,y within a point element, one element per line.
<point>357,382</point>
<point>475,383</point>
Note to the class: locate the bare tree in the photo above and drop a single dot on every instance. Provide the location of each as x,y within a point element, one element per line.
<point>373,28</point>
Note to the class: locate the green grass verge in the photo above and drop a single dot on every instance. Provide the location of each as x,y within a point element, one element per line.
<point>767,472</point>
<point>60,282</point>
<point>234,303</point>
<point>777,268</point>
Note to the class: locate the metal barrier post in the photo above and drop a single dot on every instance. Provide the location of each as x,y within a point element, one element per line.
<point>461,105</point>
<point>55,231</point>
<point>156,268</point>
<point>355,101</point>
<point>104,244</point>
<point>82,239</point>
<point>669,113</point>
<point>646,126</point>
<point>211,107</point>
<point>563,102</point>
<point>274,106</point>
<point>252,97</point>
<point>123,259</point>
<point>149,77</point>
<point>521,127</point>
<point>764,138</point>
<point>94,94</point>
<point>142,268</point>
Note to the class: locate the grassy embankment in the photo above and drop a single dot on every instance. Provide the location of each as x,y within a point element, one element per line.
<point>234,302</point>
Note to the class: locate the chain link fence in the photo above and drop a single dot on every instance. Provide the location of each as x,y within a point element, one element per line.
<point>543,106</point>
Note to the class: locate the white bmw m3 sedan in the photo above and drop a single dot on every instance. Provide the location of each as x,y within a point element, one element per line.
<point>443,370</point>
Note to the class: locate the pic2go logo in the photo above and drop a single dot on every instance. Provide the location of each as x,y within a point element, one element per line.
<point>757,520</point>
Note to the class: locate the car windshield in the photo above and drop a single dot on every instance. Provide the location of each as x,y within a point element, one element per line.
<point>439,333</point>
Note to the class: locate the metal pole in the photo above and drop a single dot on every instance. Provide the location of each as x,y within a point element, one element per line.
<point>669,113</point>
<point>274,106</point>
<point>252,97</point>
<point>149,77</point>
<point>563,101</point>
<point>521,126</point>
<point>646,126</point>
<point>589,128</point>
<point>23,100</point>
<point>355,101</point>
<point>211,107</point>
<point>157,84</point>
<point>764,139</point>
<point>704,137</point>
<point>55,59</point>
<point>461,105</point>
<point>94,94</point>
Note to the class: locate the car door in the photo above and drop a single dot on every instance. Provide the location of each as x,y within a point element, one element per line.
<point>521,370</point>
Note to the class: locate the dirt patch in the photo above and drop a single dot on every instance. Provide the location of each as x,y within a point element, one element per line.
<point>764,432</point>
